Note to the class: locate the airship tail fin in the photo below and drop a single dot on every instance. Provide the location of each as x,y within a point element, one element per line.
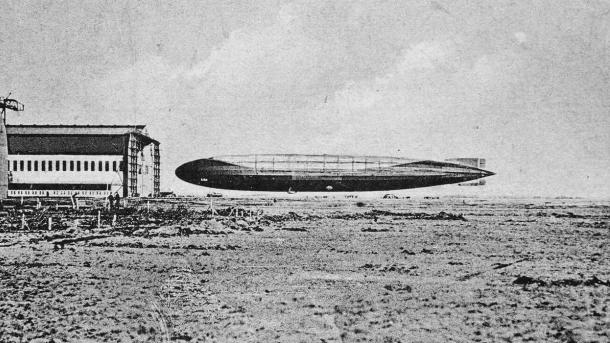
<point>478,183</point>
<point>470,162</point>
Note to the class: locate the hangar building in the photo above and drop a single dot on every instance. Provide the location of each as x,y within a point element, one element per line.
<point>91,160</point>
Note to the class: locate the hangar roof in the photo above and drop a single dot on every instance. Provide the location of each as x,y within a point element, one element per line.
<point>72,139</point>
<point>73,129</point>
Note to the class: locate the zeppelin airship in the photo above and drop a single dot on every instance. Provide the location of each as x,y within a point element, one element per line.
<point>326,173</point>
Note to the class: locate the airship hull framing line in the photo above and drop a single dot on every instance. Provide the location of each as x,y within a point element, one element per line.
<point>323,173</point>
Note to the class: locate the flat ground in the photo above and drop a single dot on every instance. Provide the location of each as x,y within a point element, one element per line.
<point>330,271</point>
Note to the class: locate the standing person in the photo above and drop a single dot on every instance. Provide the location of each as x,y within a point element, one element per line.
<point>74,201</point>
<point>117,199</point>
<point>110,201</point>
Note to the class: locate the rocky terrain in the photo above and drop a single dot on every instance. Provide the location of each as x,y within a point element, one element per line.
<point>307,270</point>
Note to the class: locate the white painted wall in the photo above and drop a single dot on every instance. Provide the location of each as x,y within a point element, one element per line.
<point>114,179</point>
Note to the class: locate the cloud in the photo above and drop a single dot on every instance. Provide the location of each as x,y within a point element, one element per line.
<point>429,78</point>
<point>275,64</point>
<point>520,37</point>
<point>426,55</point>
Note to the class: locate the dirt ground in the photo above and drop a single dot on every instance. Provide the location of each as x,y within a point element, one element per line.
<point>312,270</point>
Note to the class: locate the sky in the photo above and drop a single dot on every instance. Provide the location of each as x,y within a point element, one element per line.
<point>524,84</point>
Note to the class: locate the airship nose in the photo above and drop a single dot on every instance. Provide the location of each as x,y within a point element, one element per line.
<point>487,173</point>
<point>187,172</point>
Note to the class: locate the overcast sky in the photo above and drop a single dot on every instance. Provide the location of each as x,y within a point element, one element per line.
<point>524,84</point>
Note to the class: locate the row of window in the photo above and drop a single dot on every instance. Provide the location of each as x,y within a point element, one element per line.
<point>57,193</point>
<point>23,165</point>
